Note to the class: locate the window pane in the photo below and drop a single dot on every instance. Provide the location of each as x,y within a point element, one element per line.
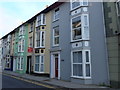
<point>80,57</point>
<point>85,2</point>
<point>76,22</point>
<point>87,70</point>
<point>87,56</point>
<point>74,70</point>
<point>56,16</point>
<point>77,70</point>
<point>75,3</point>
<point>37,59</point>
<point>36,67</point>
<point>80,71</point>
<point>85,20</point>
<point>42,59</point>
<point>21,63</point>
<point>56,31</point>
<point>77,57</point>
<point>42,68</point>
<point>42,40</point>
<point>77,34</point>
<point>56,40</point>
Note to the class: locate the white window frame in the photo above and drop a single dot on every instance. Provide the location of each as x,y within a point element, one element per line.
<point>41,39</point>
<point>54,16</point>
<point>55,37</point>
<point>39,64</point>
<point>81,3</point>
<point>21,31</point>
<point>84,35</point>
<point>118,12</point>
<point>22,45</point>
<point>72,29</point>
<point>31,27</point>
<point>41,19</point>
<point>30,41</point>
<point>20,62</point>
<point>36,36</point>
<point>83,62</point>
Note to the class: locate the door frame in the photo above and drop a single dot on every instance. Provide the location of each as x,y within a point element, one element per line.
<point>14,64</point>
<point>29,58</point>
<point>52,66</point>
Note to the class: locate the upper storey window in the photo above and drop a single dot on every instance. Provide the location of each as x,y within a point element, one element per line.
<point>21,30</point>
<point>118,7</point>
<point>56,14</point>
<point>77,3</point>
<point>41,20</point>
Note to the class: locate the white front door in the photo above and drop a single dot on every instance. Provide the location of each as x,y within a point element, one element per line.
<point>55,65</point>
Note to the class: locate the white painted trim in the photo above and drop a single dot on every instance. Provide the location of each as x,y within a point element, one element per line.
<point>52,67</point>
<point>54,14</point>
<point>39,63</point>
<point>41,38</point>
<point>72,30</point>
<point>54,37</point>
<point>83,64</point>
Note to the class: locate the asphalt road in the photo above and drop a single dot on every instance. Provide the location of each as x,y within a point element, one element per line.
<point>11,82</point>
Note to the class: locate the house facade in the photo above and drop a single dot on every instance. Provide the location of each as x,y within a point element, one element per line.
<point>42,44</point>
<point>21,48</point>
<point>71,41</point>
<point>78,48</point>
<point>6,59</point>
<point>30,47</point>
<point>112,23</point>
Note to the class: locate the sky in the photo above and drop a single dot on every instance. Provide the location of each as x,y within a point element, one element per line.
<point>14,12</point>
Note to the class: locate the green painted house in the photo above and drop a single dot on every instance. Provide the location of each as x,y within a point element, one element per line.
<point>20,49</point>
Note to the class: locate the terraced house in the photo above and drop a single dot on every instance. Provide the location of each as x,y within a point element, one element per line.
<point>67,41</point>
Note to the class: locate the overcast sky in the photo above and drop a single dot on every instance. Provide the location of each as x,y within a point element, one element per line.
<point>13,13</point>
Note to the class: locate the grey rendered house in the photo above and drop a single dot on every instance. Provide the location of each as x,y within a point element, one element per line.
<point>6,59</point>
<point>78,45</point>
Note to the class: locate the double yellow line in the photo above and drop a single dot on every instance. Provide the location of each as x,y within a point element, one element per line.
<point>29,81</point>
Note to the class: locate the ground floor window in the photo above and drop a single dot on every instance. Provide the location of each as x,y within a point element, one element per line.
<point>81,65</point>
<point>20,61</point>
<point>39,63</point>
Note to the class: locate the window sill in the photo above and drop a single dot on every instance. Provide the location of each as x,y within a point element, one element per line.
<point>55,20</point>
<point>55,45</point>
<point>78,7</point>
<point>80,40</point>
<point>38,72</point>
<point>83,78</point>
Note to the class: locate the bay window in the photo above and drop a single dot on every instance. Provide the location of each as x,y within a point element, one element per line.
<point>40,38</point>
<point>80,27</point>
<point>76,28</point>
<point>39,64</point>
<point>77,3</point>
<point>41,20</point>
<point>81,65</point>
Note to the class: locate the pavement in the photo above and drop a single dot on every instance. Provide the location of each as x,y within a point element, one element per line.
<point>52,82</point>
